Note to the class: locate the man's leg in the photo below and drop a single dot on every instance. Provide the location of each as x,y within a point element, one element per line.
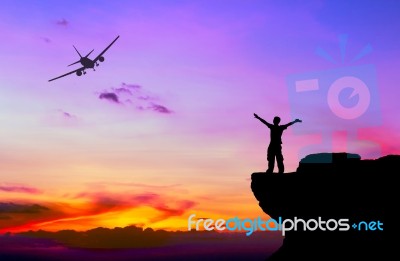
<point>271,159</point>
<point>279,160</point>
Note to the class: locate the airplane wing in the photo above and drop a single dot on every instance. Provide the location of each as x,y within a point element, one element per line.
<point>80,69</point>
<point>105,50</point>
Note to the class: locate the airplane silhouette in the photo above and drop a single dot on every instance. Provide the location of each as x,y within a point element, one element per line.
<point>86,62</point>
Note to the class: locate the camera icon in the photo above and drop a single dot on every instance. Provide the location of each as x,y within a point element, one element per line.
<point>341,99</point>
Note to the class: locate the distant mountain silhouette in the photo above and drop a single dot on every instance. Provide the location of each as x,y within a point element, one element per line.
<point>332,186</point>
<point>134,243</point>
<point>127,237</point>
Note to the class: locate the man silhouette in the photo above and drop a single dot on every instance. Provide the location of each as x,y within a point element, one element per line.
<point>275,145</point>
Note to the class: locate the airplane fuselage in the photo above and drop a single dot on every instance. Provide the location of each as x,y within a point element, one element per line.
<point>87,63</point>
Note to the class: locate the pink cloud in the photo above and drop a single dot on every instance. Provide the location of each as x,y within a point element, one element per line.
<point>62,22</point>
<point>19,189</point>
<point>136,96</point>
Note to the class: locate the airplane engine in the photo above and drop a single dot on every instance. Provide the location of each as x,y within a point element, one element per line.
<point>79,73</point>
<point>101,59</point>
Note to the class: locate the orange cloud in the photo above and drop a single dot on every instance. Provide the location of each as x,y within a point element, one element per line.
<point>87,210</point>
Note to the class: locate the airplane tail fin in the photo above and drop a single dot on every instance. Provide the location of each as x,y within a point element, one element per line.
<point>79,56</point>
<point>77,52</point>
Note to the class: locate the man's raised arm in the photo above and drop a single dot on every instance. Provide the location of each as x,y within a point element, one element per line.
<point>262,120</point>
<point>291,123</point>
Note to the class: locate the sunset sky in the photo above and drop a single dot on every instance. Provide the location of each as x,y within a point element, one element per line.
<point>164,128</point>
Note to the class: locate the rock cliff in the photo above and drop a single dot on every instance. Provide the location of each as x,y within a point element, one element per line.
<point>332,186</point>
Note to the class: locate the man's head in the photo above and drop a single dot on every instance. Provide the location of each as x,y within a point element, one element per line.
<point>277,120</point>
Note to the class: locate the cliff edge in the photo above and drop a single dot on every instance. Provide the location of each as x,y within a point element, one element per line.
<point>332,186</point>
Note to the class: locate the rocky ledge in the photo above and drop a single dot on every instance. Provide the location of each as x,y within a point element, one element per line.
<point>332,186</point>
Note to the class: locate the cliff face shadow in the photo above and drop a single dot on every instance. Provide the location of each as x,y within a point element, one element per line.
<point>345,187</point>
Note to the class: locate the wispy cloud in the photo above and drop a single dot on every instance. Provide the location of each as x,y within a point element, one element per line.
<point>45,39</point>
<point>178,209</point>
<point>19,189</point>
<point>134,184</point>
<point>62,22</point>
<point>61,118</point>
<point>130,86</point>
<point>136,96</point>
<point>10,207</point>
<point>67,115</point>
<point>106,201</point>
<point>168,207</point>
<point>103,202</point>
<point>146,98</point>
<point>159,108</point>
<point>109,96</point>
<point>122,91</point>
